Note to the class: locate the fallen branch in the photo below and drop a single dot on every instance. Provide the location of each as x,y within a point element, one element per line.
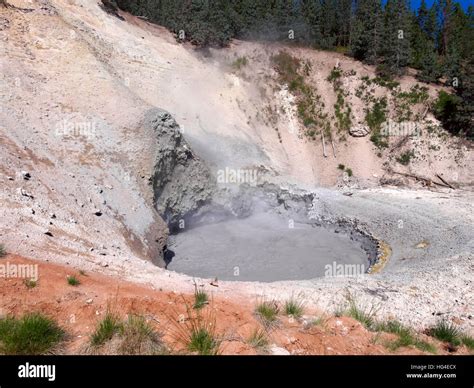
<point>324,145</point>
<point>428,181</point>
<point>442,180</point>
<point>333,148</point>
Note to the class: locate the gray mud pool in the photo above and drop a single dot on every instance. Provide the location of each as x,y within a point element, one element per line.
<point>265,248</point>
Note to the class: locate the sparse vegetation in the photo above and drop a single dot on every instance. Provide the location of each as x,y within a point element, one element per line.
<point>288,67</point>
<point>294,308</point>
<point>240,62</point>
<point>197,331</point>
<point>342,111</point>
<point>202,341</point>
<point>200,298</point>
<point>314,322</point>
<point>73,280</point>
<point>138,337</point>
<point>134,336</point>
<point>335,74</point>
<point>405,157</point>
<point>446,331</point>
<point>341,167</point>
<point>377,115</point>
<point>258,339</point>
<point>3,252</point>
<point>375,118</point>
<point>309,104</point>
<point>349,172</point>
<point>364,316</point>
<point>448,108</point>
<point>106,329</point>
<point>30,283</point>
<point>384,79</point>
<point>32,334</point>
<point>267,312</point>
<point>405,337</point>
<point>468,341</point>
<point>416,95</point>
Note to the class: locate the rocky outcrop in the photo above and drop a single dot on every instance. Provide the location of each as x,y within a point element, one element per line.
<point>359,130</point>
<point>181,181</point>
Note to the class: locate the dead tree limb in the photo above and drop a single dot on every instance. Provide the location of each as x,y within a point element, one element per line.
<point>333,148</point>
<point>444,181</point>
<point>428,181</point>
<point>324,144</point>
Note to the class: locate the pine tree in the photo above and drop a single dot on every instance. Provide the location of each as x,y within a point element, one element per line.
<point>366,31</point>
<point>396,52</point>
<point>311,11</point>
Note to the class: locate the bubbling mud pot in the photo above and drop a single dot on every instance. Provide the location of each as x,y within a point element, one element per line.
<point>266,247</point>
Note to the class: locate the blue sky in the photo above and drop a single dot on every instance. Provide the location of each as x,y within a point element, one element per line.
<point>465,3</point>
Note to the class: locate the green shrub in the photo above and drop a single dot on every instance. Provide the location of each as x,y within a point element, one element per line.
<point>335,74</point>
<point>446,109</point>
<point>377,115</point>
<point>32,334</point>
<point>416,95</point>
<point>405,157</point>
<point>379,140</point>
<point>287,67</point>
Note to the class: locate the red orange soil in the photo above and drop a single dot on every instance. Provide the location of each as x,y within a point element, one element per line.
<point>78,309</point>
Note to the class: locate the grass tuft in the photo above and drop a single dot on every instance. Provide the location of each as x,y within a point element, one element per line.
<point>73,281</point>
<point>258,340</point>
<point>106,329</point>
<point>446,332</point>
<point>294,308</point>
<point>468,341</point>
<point>201,299</point>
<point>197,331</point>
<point>405,337</point>
<point>267,312</point>
<point>32,334</point>
<point>364,316</point>
<point>138,337</point>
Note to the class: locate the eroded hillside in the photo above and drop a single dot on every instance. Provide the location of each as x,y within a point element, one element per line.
<point>78,156</point>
